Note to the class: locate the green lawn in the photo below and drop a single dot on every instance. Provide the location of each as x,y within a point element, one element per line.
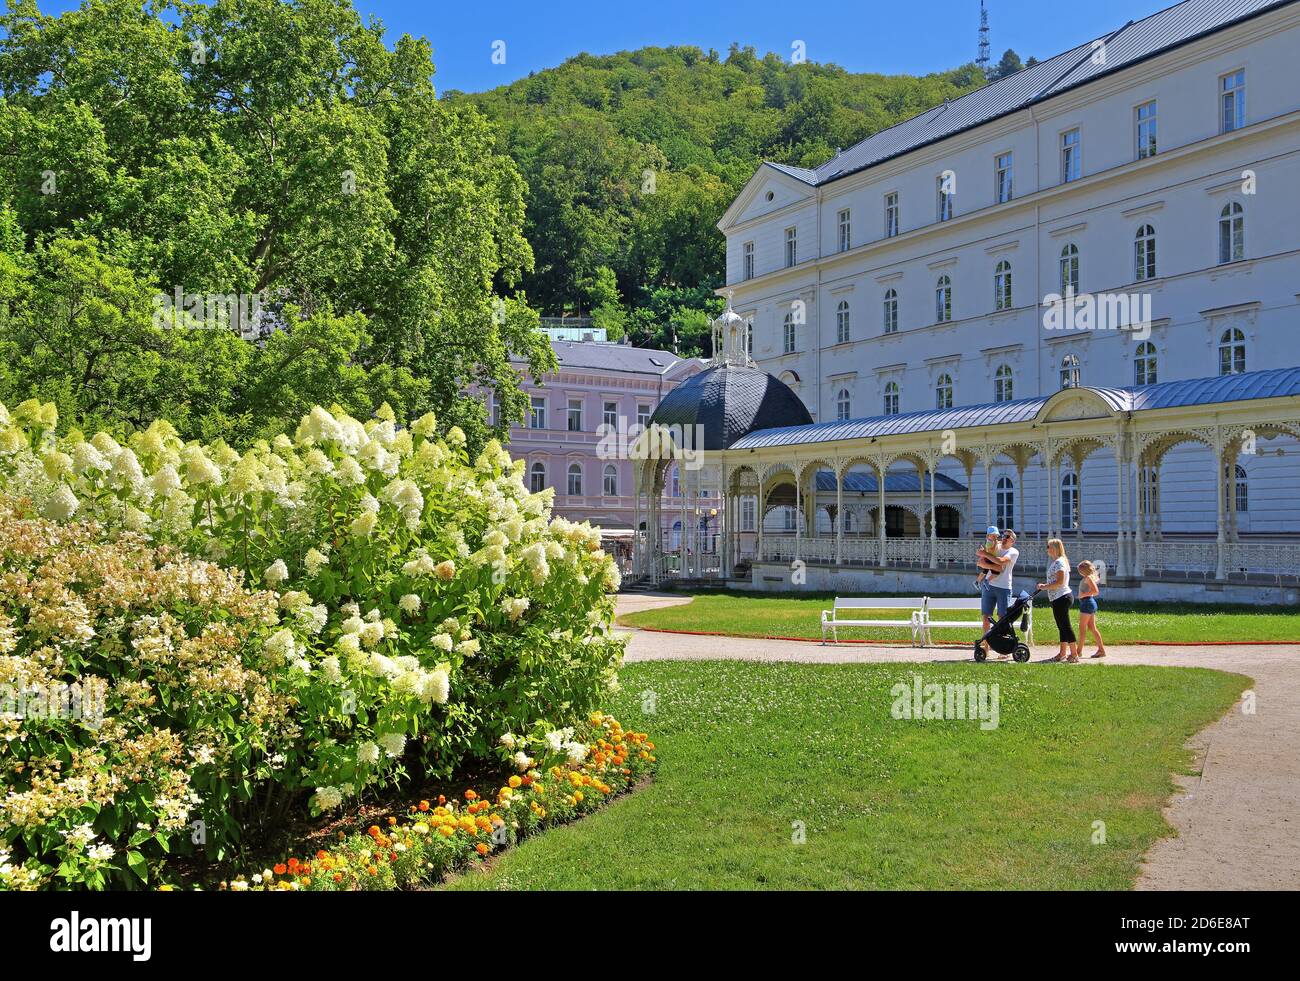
<point>746,749</point>
<point>761,615</point>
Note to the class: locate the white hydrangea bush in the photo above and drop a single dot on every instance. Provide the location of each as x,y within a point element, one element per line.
<point>429,603</point>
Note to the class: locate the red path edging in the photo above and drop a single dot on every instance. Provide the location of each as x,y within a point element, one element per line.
<point>899,643</point>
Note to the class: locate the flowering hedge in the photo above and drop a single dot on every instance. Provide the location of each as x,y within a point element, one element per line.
<point>437,837</point>
<point>417,606</point>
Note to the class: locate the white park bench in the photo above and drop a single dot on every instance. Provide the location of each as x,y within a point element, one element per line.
<point>851,612</point>
<point>970,604</point>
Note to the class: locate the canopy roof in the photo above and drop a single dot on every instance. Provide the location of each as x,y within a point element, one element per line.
<point>1278,382</point>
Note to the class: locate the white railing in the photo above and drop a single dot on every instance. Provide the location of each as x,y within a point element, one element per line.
<point>1277,561</point>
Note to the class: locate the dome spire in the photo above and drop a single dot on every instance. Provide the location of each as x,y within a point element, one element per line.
<point>731,338</point>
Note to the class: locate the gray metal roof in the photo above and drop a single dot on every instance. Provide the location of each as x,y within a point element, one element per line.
<point>614,357</point>
<point>1130,44</point>
<point>1275,383</point>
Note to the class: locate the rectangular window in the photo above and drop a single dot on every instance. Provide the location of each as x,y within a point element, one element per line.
<point>537,412</point>
<point>791,247</point>
<point>944,189</point>
<point>575,415</point>
<point>610,415</point>
<point>846,232</point>
<point>642,415</point>
<point>747,507</point>
<point>1146,130</point>
<point>747,261</point>
<point>1232,100</point>
<point>891,215</point>
<point>1071,168</point>
<point>1003,171</point>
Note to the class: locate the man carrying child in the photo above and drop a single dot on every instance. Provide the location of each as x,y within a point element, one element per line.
<point>996,561</point>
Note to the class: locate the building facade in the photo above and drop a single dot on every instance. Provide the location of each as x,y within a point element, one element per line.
<point>581,420</point>
<point>1122,215</point>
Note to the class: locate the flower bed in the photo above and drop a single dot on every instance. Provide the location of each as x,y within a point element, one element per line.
<point>438,837</point>
<point>413,608</point>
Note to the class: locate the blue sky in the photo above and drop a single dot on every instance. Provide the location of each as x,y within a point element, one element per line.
<point>867,35</point>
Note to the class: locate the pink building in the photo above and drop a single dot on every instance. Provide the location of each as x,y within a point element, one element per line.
<point>570,439</point>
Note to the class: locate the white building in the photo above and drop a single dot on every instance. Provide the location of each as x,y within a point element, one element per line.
<point>1151,177</point>
<point>1161,163</point>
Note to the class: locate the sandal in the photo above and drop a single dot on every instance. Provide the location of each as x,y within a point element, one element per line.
<point>1072,659</point>
<point>1100,653</point>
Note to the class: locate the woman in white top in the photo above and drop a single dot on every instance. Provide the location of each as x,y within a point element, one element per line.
<point>1061,598</point>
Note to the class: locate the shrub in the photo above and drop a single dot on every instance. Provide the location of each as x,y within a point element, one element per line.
<point>428,605</point>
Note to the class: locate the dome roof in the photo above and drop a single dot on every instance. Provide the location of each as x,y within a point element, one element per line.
<point>728,401</point>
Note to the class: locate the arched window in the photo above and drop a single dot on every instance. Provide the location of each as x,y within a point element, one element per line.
<point>1238,490</point>
<point>1002,286</point>
<point>842,322</point>
<point>1006,503</point>
<point>788,325</point>
<point>611,480</point>
<point>1070,501</point>
<point>843,404</point>
<point>575,478</point>
<point>1144,364</point>
<point>537,477</point>
<point>1070,269</point>
<point>1070,374</point>
<point>891,311</point>
<point>943,392</point>
<point>1003,386</point>
<point>943,300</point>
<point>675,539</point>
<point>1232,352</point>
<point>1144,253</point>
<point>891,399</point>
<point>1232,233</point>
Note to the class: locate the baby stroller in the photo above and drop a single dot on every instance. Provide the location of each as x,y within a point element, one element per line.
<point>1002,635</point>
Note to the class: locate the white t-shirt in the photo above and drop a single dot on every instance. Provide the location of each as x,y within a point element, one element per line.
<point>1003,578</point>
<point>1058,566</point>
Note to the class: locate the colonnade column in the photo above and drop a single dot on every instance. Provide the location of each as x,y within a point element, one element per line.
<point>1221,536</point>
<point>934,535</point>
<point>839,515</point>
<point>1141,500</point>
<point>880,512</point>
<point>1121,558</point>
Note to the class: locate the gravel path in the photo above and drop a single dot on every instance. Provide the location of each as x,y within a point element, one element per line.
<point>1238,820</point>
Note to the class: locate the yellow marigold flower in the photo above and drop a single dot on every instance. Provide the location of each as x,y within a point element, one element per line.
<point>514,782</point>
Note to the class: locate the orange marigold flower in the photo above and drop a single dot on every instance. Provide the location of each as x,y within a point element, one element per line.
<point>424,805</point>
<point>322,855</point>
<point>280,869</point>
<point>469,795</point>
<point>482,848</point>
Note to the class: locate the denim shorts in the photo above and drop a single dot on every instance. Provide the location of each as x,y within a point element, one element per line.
<point>1088,605</point>
<point>995,596</point>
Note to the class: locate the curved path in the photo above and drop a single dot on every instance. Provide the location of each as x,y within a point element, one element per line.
<point>1238,819</point>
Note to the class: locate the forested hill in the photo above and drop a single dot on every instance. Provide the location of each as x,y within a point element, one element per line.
<point>631,158</point>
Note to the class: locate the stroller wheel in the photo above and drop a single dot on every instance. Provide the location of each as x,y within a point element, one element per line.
<point>980,653</point>
<point>1021,653</point>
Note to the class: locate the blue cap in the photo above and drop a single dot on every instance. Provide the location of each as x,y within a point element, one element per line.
<point>992,530</point>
